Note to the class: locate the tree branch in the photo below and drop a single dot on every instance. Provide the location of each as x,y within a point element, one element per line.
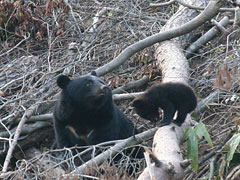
<point>98,160</point>
<point>131,85</point>
<point>26,116</point>
<point>205,38</point>
<point>187,5</point>
<point>174,67</point>
<point>208,13</point>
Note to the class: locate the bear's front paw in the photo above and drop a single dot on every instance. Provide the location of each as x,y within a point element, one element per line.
<point>164,124</point>
<point>177,123</point>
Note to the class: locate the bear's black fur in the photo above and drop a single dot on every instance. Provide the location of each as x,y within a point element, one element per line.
<point>170,97</point>
<point>86,113</point>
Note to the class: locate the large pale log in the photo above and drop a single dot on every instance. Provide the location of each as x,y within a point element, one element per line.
<point>169,54</point>
<point>175,68</point>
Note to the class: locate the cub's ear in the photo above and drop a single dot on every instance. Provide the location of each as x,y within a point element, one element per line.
<point>62,81</point>
<point>93,73</point>
<point>138,103</point>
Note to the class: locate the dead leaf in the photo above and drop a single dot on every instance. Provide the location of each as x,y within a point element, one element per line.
<point>236,120</point>
<point>234,71</point>
<point>228,82</point>
<point>219,81</point>
<point>1,93</point>
<point>225,70</point>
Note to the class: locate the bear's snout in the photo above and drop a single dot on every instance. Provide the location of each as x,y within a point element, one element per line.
<point>103,90</point>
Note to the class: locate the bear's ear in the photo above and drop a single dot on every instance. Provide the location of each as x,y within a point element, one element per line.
<point>62,81</point>
<point>93,73</point>
<point>138,103</point>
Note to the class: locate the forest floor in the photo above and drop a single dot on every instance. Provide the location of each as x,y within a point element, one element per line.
<point>43,40</point>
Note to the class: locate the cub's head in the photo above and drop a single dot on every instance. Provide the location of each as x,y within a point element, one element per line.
<point>86,92</point>
<point>145,109</point>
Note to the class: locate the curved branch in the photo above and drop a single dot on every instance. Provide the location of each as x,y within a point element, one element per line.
<point>152,5</point>
<point>27,128</point>
<point>12,145</point>
<point>188,6</point>
<point>128,96</point>
<point>133,84</point>
<point>210,11</point>
<point>205,38</point>
<point>98,160</point>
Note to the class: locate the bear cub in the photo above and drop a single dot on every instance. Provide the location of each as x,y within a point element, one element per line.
<point>86,114</point>
<point>170,97</point>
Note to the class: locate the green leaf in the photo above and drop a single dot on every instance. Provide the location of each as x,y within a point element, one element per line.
<point>193,134</point>
<point>218,178</point>
<point>201,131</point>
<point>204,178</point>
<point>234,142</point>
<point>193,149</point>
<point>187,132</point>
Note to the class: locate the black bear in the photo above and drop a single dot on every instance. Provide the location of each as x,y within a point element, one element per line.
<point>170,97</point>
<point>86,114</point>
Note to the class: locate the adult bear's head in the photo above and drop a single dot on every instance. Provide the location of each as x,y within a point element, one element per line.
<point>87,92</point>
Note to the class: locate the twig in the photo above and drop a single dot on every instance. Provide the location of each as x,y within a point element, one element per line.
<point>149,165</point>
<point>118,97</point>
<point>73,16</point>
<point>94,26</point>
<point>188,6</point>
<point>96,19</point>
<point>227,45</point>
<point>205,38</point>
<point>27,128</point>
<point>210,11</point>
<point>211,173</point>
<point>209,99</point>
<point>152,5</point>
<point>236,23</point>
<point>219,26</point>
<point>98,160</point>
<point>28,113</point>
<point>234,174</point>
<point>50,43</point>
<point>42,117</point>
<point>133,84</point>
<point>18,44</point>
<point>213,97</point>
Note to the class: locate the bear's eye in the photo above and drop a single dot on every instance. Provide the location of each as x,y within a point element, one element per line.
<point>88,83</point>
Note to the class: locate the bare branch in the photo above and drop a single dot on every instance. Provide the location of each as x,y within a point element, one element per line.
<point>206,15</point>
<point>237,18</point>
<point>234,174</point>
<point>118,97</point>
<point>98,160</point>
<point>18,44</point>
<point>27,128</point>
<point>131,85</point>
<point>162,4</point>
<point>219,26</point>
<point>181,2</point>
<point>26,116</point>
<point>205,38</point>
<point>212,162</point>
